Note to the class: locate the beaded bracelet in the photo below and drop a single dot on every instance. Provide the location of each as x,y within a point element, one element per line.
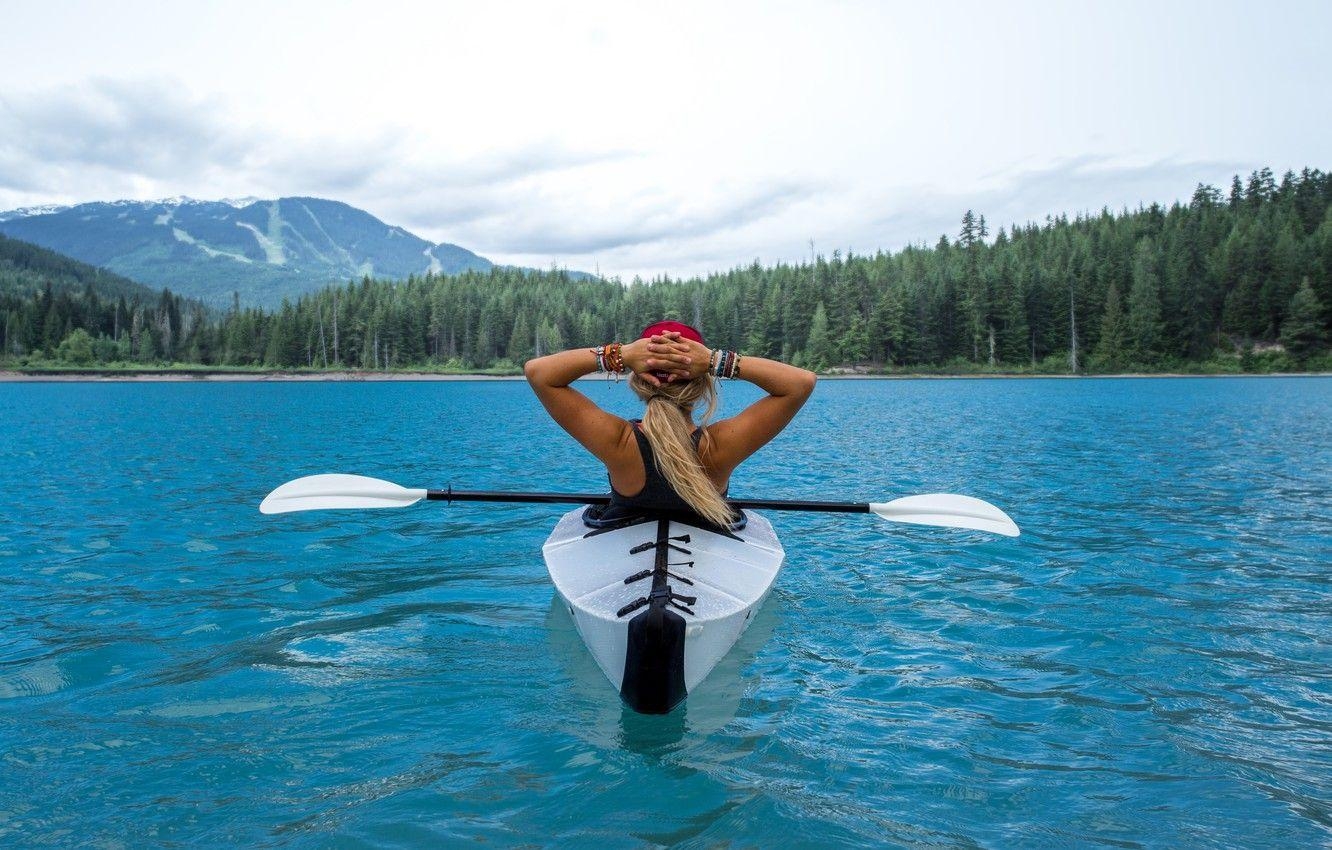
<point>615,358</point>
<point>600,352</point>
<point>724,364</point>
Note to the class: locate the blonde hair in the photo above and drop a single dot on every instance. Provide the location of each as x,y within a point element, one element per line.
<point>668,426</point>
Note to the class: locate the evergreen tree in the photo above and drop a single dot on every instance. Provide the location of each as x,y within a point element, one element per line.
<point>15,334</point>
<point>855,344</point>
<point>1302,333</point>
<point>1236,193</point>
<point>1143,324</point>
<point>818,350</point>
<point>887,327</point>
<point>521,340</point>
<point>1112,345</point>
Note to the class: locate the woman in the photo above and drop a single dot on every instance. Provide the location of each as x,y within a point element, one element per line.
<point>665,462</point>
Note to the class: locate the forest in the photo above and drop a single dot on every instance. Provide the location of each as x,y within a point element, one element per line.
<point>1237,280</point>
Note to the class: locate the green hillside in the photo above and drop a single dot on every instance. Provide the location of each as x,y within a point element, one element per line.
<point>27,269</point>
<point>52,306</point>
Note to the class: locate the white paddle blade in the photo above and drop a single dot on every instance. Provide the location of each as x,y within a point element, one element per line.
<point>319,492</point>
<point>947,510</point>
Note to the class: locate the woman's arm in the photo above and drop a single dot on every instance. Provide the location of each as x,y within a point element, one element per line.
<point>735,439</point>
<point>787,388</point>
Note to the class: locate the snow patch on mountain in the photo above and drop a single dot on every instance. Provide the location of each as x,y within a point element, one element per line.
<point>435,266</point>
<point>182,236</point>
<point>273,252</point>
<point>28,212</point>
<point>347,259</point>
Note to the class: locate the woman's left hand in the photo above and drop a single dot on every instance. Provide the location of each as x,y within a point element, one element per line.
<point>697,354</point>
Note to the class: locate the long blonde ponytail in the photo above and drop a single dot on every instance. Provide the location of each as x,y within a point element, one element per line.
<point>668,426</point>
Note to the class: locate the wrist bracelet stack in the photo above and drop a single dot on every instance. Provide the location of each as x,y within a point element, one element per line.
<point>724,364</point>
<point>610,358</point>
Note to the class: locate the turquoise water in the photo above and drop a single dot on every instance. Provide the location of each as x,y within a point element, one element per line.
<point>1150,664</point>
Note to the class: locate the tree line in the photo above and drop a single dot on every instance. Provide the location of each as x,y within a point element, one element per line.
<point>1229,280</point>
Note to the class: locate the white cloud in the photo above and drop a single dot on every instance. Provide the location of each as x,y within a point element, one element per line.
<point>649,140</point>
<point>132,131</point>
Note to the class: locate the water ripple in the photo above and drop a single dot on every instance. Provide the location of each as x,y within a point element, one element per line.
<point>1148,665</point>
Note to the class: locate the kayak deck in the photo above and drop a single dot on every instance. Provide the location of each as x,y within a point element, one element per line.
<point>660,601</point>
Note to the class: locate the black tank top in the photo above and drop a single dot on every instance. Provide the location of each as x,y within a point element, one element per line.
<point>657,493</point>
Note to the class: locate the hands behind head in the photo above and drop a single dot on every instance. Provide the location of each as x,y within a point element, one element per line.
<point>666,358</point>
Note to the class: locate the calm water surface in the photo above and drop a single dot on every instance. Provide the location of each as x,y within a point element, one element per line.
<point>1150,664</point>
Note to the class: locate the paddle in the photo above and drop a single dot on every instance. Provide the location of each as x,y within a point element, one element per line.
<point>318,492</point>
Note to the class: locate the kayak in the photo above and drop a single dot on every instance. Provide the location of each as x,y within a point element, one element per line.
<point>659,600</point>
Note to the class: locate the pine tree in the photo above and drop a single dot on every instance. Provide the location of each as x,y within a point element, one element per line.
<point>855,344</point>
<point>1302,333</point>
<point>1320,264</point>
<point>1143,324</point>
<point>1236,192</point>
<point>818,350</point>
<point>521,340</point>
<point>1110,349</point>
<point>887,328</point>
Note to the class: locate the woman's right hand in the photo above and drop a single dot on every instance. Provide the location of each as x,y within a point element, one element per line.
<point>686,359</point>
<point>699,356</point>
<point>657,356</point>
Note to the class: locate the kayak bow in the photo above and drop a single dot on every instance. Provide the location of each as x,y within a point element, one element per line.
<point>660,600</point>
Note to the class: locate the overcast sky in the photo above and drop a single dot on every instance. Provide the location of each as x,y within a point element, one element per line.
<point>671,138</point>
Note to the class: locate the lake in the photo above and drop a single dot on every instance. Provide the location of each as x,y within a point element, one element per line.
<point>1149,664</point>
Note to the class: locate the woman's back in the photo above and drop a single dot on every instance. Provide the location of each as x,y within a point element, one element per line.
<point>673,373</point>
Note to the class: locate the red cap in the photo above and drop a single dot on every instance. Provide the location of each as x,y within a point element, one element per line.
<point>666,327</point>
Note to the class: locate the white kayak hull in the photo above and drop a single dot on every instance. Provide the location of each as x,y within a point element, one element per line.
<point>686,602</point>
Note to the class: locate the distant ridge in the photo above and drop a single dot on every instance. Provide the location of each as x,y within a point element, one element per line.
<point>27,269</point>
<point>265,250</point>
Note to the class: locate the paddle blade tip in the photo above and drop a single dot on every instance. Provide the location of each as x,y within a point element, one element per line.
<point>948,510</point>
<point>335,491</point>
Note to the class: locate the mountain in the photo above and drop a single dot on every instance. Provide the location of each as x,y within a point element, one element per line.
<point>26,269</point>
<point>264,250</point>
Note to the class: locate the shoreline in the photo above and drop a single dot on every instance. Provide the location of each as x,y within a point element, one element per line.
<point>181,376</point>
<point>177,376</point>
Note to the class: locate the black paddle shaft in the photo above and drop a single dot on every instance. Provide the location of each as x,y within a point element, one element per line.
<point>451,495</point>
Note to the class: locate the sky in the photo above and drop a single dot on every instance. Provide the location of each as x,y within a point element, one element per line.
<point>649,139</point>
